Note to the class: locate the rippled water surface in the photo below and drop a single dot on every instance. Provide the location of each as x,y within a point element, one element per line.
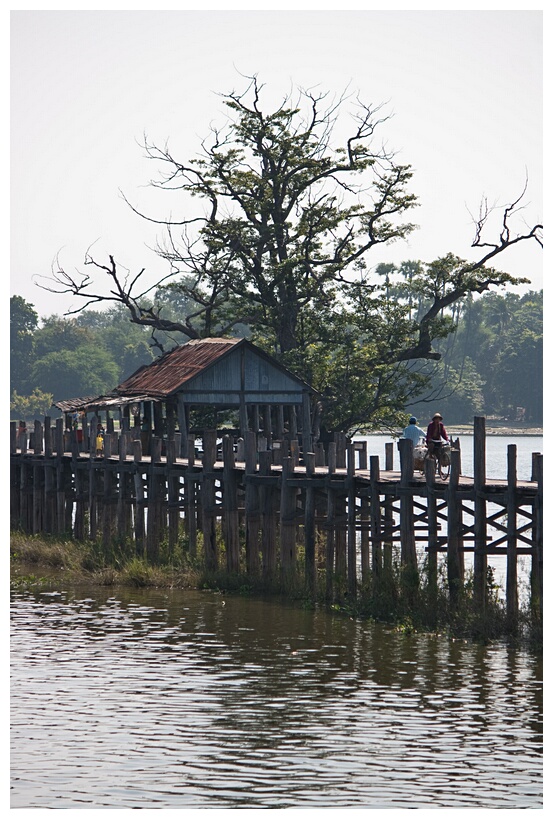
<point>198,700</point>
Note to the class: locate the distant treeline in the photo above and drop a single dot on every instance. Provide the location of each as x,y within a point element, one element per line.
<point>492,363</point>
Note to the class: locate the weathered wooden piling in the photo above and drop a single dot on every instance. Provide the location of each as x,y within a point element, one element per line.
<point>480,514</point>
<point>309,524</point>
<point>207,489</point>
<point>512,569</point>
<point>230,507</point>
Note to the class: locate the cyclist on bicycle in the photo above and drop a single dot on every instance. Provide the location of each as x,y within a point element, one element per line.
<point>436,434</point>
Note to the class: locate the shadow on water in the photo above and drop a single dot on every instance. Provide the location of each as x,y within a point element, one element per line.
<point>176,698</point>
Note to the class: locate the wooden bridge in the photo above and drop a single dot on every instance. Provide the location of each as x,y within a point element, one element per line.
<point>255,500</point>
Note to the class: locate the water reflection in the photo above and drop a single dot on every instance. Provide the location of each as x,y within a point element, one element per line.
<point>190,699</point>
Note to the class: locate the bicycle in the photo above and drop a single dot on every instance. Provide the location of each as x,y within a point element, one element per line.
<point>442,459</point>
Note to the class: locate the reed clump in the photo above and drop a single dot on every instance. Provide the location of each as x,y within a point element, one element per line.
<point>93,562</point>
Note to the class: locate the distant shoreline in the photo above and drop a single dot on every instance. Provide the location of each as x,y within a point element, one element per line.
<point>453,430</point>
<point>506,431</point>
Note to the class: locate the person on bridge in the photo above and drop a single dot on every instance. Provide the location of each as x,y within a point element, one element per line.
<point>436,434</point>
<point>413,432</point>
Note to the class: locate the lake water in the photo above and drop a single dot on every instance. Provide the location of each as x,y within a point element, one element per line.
<point>186,699</point>
<point>496,452</point>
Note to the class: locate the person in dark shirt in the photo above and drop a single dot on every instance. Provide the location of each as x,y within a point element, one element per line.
<point>436,434</point>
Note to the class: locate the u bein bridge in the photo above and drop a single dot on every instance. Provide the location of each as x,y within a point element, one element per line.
<point>254,500</point>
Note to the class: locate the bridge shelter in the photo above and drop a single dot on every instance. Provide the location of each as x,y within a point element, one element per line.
<point>208,383</point>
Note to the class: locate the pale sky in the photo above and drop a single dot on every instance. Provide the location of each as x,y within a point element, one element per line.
<point>464,88</point>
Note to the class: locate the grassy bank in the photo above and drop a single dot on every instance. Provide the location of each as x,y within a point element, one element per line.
<point>405,601</point>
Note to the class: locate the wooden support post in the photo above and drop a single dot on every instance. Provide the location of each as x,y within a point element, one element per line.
<point>251,505</point>
<point>287,520</point>
<point>268,521</point>
<point>38,481</point>
<point>309,527</point>
<point>480,513</point>
<point>364,516</point>
<point>320,455</point>
<point>158,419</point>
<point>230,502</point>
<point>306,436</point>
<point>279,434</point>
<point>191,492</point>
<point>388,513</point>
<point>454,511</point>
<point>92,483</point>
<point>60,488</point>
<point>80,501</point>
<point>340,536</point>
<point>139,524</point>
<point>183,427</point>
<point>173,448</point>
<point>68,501</point>
<point>243,414</point>
<point>330,524</point>
<point>38,440</point>
<point>341,449</point>
<point>294,451</point>
<point>292,423</point>
<point>48,447</point>
<point>432,517</point>
<point>107,518</point>
<point>84,431</point>
<point>211,556</point>
<point>153,533</point>
<point>536,570</point>
<point>122,493</point>
<point>170,415</point>
<point>351,522</point>
<point>92,501</point>
<point>512,568</point>
<point>375,520</point>
<point>15,494</point>
<point>25,487</point>
<point>407,523</point>
<point>267,425</point>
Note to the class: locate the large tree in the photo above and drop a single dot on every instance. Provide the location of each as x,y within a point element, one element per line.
<point>279,214</point>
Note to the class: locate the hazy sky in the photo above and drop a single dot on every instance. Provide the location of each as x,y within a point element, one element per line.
<point>464,88</point>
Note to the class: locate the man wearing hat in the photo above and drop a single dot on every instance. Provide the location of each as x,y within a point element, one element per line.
<point>413,432</point>
<point>436,433</point>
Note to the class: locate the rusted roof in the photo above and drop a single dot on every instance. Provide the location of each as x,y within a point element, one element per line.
<point>110,401</point>
<point>72,404</point>
<point>169,372</point>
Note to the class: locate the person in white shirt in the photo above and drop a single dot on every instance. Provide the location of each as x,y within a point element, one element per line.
<point>413,432</point>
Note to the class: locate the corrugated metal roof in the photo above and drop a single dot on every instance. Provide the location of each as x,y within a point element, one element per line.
<point>72,404</point>
<point>169,372</point>
<point>100,402</point>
